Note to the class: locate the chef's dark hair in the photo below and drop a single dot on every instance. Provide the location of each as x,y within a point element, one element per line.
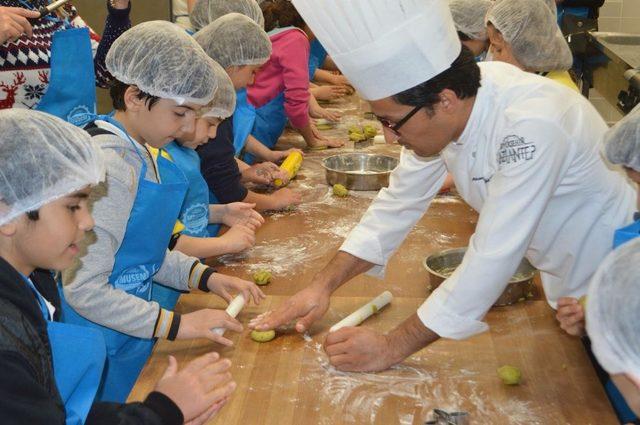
<point>280,14</point>
<point>117,90</point>
<point>463,78</point>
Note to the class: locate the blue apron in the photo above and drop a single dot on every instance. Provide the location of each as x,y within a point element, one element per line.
<point>71,93</point>
<point>78,356</point>
<point>244,117</point>
<point>317,56</point>
<point>138,259</point>
<point>195,207</point>
<point>194,213</point>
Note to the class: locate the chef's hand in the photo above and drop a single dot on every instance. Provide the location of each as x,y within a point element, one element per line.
<point>14,22</point>
<point>200,389</point>
<point>358,350</point>
<point>305,307</point>
<point>570,314</point>
<point>284,198</point>
<point>241,213</point>
<point>224,286</point>
<point>200,324</point>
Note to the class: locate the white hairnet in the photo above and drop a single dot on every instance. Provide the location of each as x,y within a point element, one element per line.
<point>468,17</point>
<point>613,311</point>
<point>224,103</point>
<point>42,158</point>
<point>531,29</point>
<point>235,40</point>
<point>161,59</point>
<point>206,11</point>
<point>622,141</point>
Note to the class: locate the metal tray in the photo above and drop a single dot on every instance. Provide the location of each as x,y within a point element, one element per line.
<point>520,286</point>
<point>359,171</point>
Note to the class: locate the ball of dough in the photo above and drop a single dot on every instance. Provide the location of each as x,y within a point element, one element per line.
<point>370,131</point>
<point>510,375</point>
<point>324,126</point>
<point>263,336</point>
<point>340,190</point>
<point>357,137</point>
<point>262,277</point>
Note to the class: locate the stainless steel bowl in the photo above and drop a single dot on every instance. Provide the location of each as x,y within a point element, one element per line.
<point>359,171</point>
<point>520,286</point>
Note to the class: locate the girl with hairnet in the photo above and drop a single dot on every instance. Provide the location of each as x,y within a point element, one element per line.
<point>468,17</point>
<point>280,92</point>
<point>622,147</point>
<point>112,287</point>
<point>51,370</point>
<point>525,33</point>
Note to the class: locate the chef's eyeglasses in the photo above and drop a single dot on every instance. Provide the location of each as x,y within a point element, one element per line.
<point>394,127</point>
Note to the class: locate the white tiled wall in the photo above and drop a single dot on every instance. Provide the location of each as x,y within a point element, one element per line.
<point>620,16</point>
<point>616,16</point>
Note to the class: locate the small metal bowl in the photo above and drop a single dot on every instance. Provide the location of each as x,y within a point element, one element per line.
<point>359,171</point>
<point>520,286</point>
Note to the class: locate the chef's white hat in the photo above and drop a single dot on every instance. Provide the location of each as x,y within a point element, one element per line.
<point>384,46</point>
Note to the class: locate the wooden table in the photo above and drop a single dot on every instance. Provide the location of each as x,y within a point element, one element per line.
<point>288,381</point>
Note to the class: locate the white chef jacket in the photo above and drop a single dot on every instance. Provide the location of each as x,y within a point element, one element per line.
<point>529,162</point>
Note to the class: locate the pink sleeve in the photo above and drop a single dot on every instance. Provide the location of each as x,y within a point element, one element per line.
<point>295,72</point>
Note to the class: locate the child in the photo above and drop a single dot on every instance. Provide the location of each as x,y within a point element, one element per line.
<point>110,288</point>
<point>468,17</point>
<point>280,92</point>
<point>613,314</point>
<point>525,34</point>
<point>51,370</point>
<point>206,11</point>
<point>240,46</point>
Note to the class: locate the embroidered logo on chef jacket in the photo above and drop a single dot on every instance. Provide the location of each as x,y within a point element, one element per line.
<point>514,149</point>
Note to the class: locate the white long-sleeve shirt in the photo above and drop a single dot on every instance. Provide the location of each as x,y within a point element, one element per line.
<point>529,162</point>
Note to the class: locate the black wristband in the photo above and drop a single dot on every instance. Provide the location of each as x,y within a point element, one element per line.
<point>175,325</point>
<point>202,285</point>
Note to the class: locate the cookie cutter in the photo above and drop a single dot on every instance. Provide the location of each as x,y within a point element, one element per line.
<point>441,417</point>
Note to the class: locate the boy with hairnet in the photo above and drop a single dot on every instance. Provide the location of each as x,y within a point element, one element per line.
<point>191,234</point>
<point>111,287</point>
<point>622,147</point>
<point>525,33</point>
<point>206,11</point>
<point>51,370</point>
<point>240,46</point>
<point>468,17</point>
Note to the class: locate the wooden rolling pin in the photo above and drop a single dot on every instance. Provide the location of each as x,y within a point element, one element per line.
<point>364,312</point>
<point>235,306</point>
<point>290,165</point>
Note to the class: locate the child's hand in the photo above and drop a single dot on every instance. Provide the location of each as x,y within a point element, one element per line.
<point>224,286</point>
<point>278,156</point>
<point>200,389</point>
<point>570,314</point>
<point>329,92</point>
<point>319,140</point>
<point>241,213</point>
<point>238,238</point>
<point>200,324</point>
<point>286,197</point>
<point>263,173</point>
<point>339,80</point>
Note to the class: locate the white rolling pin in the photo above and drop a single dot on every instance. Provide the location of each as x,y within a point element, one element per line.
<point>235,306</point>
<point>364,312</point>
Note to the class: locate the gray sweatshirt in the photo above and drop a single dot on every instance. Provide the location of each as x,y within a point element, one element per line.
<point>86,283</point>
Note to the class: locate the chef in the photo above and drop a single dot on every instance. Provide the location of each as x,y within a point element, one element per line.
<point>523,152</point>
